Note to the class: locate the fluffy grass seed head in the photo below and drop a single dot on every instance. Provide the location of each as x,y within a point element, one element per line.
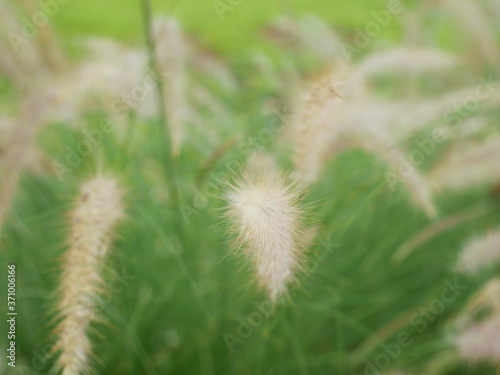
<point>478,326</point>
<point>480,341</point>
<point>172,55</point>
<point>314,129</point>
<point>266,215</point>
<point>485,302</point>
<point>97,210</point>
<point>480,252</point>
<point>468,163</point>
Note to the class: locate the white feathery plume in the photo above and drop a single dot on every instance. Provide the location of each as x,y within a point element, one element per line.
<point>477,335</point>
<point>473,19</point>
<point>413,61</point>
<point>405,60</point>
<point>401,118</point>
<point>412,179</point>
<point>413,24</point>
<point>479,342</point>
<point>112,77</point>
<point>325,124</point>
<point>11,68</point>
<point>17,153</point>
<point>171,52</point>
<point>470,126</point>
<point>314,128</point>
<point>21,61</point>
<point>467,164</point>
<point>367,119</point>
<point>97,210</point>
<point>26,68</point>
<point>319,37</point>
<point>487,299</point>
<point>266,214</point>
<point>310,32</point>
<point>480,252</point>
<point>50,50</point>
<point>12,138</point>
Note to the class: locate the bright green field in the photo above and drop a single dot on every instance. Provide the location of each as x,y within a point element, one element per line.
<point>174,294</point>
<point>237,32</point>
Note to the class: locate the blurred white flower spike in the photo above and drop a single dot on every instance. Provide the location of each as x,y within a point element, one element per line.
<point>479,253</point>
<point>97,210</point>
<point>171,51</point>
<point>267,216</point>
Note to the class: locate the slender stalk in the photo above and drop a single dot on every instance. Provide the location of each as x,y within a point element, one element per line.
<point>170,164</point>
<point>438,227</point>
